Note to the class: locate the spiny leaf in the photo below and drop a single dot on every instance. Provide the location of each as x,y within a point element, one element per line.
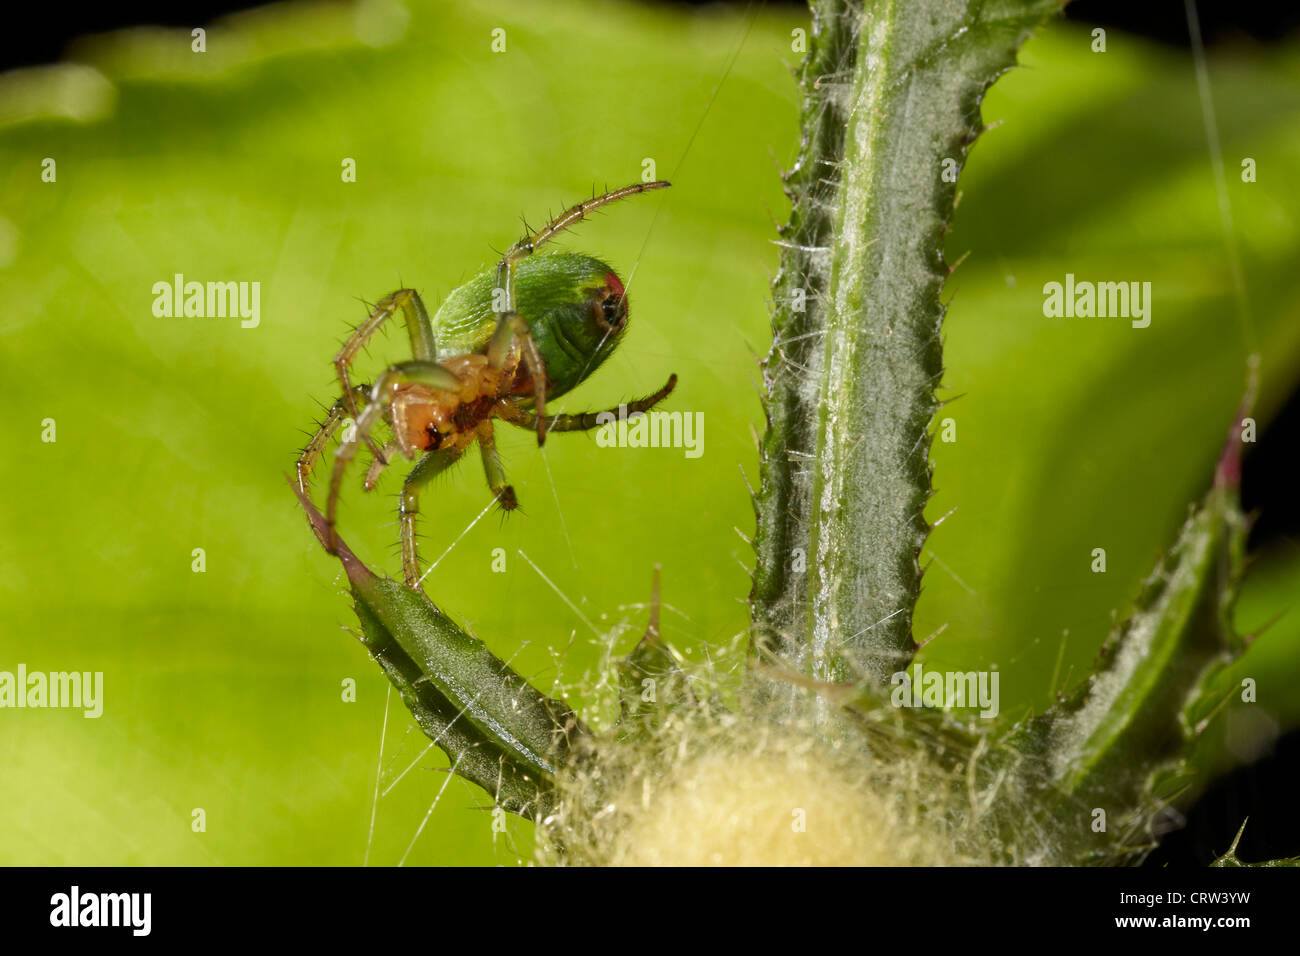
<point>498,731</point>
<point>1120,741</point>
<point>1229,859</point>
<point>651,677</point>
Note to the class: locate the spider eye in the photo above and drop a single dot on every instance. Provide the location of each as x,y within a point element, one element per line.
<point>614,309</point>
<point>610,305</point>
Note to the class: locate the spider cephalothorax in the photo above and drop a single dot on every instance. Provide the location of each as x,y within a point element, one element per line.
<point>499,346</point>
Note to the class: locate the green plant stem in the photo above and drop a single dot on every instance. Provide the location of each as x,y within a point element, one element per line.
<point>891,94</point>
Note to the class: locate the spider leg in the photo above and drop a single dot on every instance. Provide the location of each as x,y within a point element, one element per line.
<point>509,323</point>
<point>422,372</point>
<point>312,452</point>
<point>420,329</point>
<point>378,465</point>
<point>508,411</point>
<point>496,475</point>
<point>512,326</point>
<point>574,215</point>
<point>425,470</point>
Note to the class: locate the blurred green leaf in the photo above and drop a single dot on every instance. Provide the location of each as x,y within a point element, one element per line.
<point>1076,434</point>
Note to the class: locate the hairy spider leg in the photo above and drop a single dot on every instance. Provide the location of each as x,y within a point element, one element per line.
<point>423,345</point>
<point>426,469</point>
<point>508,411</point>
<point>378,465</point>
<point>509,323</point>
<point>312,452</point>
<point>492,467</point>
<point>417,371</point>
<point>433,464</point>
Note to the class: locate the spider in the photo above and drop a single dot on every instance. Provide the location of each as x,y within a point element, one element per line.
<point>500,346</point>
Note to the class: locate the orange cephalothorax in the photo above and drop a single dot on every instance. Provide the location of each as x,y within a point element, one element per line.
<point>426,418</point>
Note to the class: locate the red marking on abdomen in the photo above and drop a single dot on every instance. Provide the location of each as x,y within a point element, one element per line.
<point>615,284</point>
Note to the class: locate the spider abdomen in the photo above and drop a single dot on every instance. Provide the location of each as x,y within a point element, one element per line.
<point>575,307</point>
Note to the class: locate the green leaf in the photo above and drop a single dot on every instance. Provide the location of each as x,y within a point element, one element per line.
<point>499,732</point>
<point>1120,741</point>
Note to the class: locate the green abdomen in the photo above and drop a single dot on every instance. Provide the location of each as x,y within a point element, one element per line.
<point>554,294</point>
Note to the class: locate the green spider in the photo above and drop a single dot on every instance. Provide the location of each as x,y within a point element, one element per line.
<point>500,346</point>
